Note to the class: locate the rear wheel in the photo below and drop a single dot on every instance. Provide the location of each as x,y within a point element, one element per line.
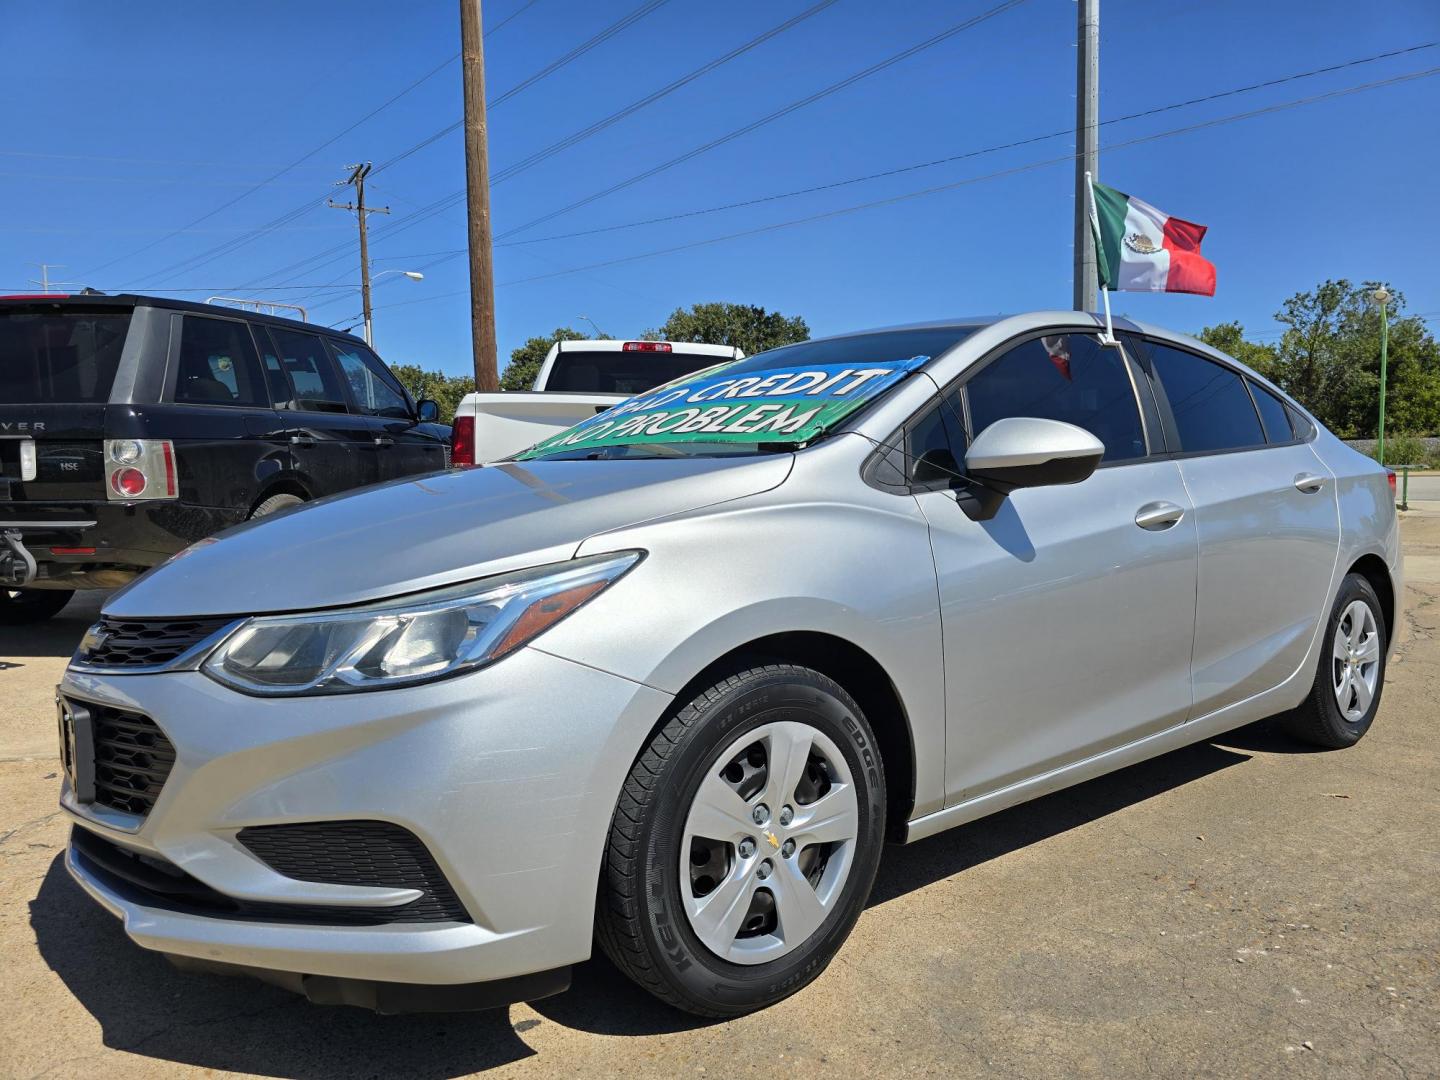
<point>745,842</point>
<point>1351,675</point>
<point>274,503</point>
<point>21,606</point>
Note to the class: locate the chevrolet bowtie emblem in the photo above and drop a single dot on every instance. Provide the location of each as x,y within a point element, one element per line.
<point>773,839</point>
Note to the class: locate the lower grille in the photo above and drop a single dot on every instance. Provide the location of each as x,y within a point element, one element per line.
<point>155,882</point>
<point>373,853</point>
<point>133,758</point>
<point>121,643</point>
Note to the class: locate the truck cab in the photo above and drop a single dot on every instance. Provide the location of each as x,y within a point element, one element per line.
<point>577,379</point>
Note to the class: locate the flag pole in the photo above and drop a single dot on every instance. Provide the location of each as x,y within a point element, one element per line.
<point>1108,338</point>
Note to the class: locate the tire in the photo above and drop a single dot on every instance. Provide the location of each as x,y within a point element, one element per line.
<point>19,607</point>
<point>274,503</point>
<point>1320,720</point>
<point>648,918</point>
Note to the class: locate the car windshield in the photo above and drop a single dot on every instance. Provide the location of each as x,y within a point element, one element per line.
<point>69,357</point>
<point>592,371</point>
<point>777,400</point>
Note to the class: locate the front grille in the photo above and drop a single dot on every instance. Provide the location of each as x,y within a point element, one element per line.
<point>156,882</point>
<point>132,759</point>
<point>374,853</point>
<point>144,642</point>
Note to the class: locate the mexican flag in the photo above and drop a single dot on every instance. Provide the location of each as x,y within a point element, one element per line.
<point>1141,249</point>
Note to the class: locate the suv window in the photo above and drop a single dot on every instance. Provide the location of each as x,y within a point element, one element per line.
<point>304,360</point>
<point>1064,376</point>
<point>1273,414</point>
<point>1211,406</point>
<point>370,383</point>
<point>217,364</point>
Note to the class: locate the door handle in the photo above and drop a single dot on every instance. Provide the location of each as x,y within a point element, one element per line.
<point>301,440</point>
<point>1309,483</point>
<point>384,440</point>
<point>1158,516</point>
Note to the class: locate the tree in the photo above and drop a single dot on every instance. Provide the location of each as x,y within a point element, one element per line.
<point>751,328</point>
<point>446,390</point>
<point>525,361</point>
<point>1329,358</point>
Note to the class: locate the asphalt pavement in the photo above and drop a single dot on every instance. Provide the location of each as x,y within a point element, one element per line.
<point>1243,907</point>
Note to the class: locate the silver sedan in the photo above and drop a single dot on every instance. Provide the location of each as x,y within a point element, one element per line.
<point>670,679</point>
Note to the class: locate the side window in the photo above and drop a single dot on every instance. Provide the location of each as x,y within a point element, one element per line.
<point>935,441</point>
<point>1212,409</point>
<point>281,393</point>
<point>305,361</point>
<point>1069,377</point>
<point>217,364</point>
<point>1273,415</point>
<point>370,383</point>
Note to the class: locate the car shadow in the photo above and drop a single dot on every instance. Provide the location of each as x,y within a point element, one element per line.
<point>57,636</point>
<point>144,1006</point>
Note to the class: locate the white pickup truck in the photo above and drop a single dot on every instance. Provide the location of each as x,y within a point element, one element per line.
<point>577,380</point>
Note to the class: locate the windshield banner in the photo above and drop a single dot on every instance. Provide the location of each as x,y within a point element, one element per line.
<point>783,404</point>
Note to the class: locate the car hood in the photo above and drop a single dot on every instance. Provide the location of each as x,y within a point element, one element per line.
<point>432,530</point>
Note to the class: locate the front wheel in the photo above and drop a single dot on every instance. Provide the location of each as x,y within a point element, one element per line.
<point>1346,692</point>
<point>745,842</point>
<point>19,607</point>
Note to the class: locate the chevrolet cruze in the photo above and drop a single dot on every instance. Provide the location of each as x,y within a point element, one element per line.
<point>670,679</point>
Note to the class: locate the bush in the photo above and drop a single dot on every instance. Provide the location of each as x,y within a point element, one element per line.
<point>1406,448</point>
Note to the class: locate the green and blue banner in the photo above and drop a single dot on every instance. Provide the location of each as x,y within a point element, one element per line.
<point>720,404</point>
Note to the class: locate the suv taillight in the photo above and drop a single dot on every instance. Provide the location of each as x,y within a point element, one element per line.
<point>140,469</point>
<point>462,441</point>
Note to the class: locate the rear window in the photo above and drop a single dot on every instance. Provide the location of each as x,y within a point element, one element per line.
<point>582,372</point>
<point>61,357</point>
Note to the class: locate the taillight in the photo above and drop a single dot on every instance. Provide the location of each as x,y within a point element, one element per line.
<point>648,346</point>
<point>462,441</point>
<point>1390,476</point>
<point>140,469</point>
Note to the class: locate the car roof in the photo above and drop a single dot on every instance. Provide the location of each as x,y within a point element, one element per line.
<point>132,300</point>
<point>618,345</point>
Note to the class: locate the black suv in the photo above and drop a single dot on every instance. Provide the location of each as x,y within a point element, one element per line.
<point>132,426</point>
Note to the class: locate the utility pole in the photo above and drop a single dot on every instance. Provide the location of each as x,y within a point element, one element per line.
<point>45,283</point>
<point>357,176</point>
<point>477,184</point>
<point>1087,145</point>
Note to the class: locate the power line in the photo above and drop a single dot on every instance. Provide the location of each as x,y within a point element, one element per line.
<point>771,117</point>
<point>298,161</point>
<point>973,153</point>
<point>603,35</point>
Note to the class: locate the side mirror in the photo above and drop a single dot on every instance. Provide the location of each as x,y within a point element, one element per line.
<point>1024,451</point>
<point>427,411</point>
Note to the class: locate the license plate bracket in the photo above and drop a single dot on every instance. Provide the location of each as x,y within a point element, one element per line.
<point>77,748</point>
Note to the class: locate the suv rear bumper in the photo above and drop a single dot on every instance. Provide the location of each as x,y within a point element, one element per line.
<point>127,538</point>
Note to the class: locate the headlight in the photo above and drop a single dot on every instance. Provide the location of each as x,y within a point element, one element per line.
<point>414,639</point>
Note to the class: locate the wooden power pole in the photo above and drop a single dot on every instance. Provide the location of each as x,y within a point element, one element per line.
<point>357,179</point>
<point>477,183</point>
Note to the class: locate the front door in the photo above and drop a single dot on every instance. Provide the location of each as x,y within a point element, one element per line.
<point>1268,524</point>
<point>404,449</point>
<point>1068,617</point>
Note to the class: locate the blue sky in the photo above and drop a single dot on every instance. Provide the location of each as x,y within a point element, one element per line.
<point>127,122</point>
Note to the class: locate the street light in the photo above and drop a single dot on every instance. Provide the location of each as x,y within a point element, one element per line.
<point>591,321</point>
<point>413,275</point>
<point>1382,297</point>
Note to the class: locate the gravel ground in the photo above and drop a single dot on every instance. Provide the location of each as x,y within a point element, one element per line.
<point>1238,908</point>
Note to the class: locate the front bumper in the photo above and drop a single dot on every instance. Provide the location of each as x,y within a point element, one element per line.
<point>508,776</point>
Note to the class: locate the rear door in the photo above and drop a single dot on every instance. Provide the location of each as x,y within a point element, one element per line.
<point>216,409</point>
<point>332,447</point>
<point>1269,527</point>
<point>404,448</point>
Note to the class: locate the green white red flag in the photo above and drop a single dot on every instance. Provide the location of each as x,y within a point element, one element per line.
<point>1141,249</point>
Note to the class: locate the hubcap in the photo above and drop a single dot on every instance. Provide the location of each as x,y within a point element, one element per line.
<point>753,898</point>
<point>1355,657</point>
